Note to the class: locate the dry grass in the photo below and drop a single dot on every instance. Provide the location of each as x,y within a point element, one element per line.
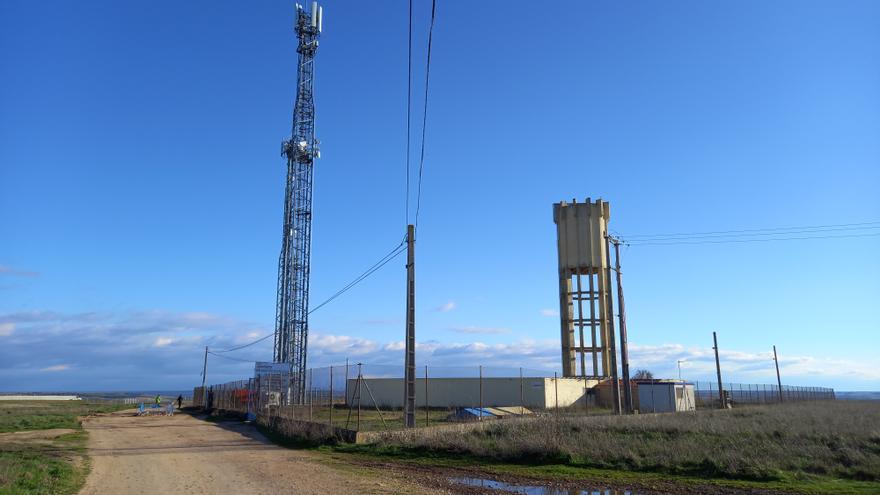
<point>833,439</point>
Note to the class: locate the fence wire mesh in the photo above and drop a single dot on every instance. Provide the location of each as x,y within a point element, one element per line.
<point>370,397</point>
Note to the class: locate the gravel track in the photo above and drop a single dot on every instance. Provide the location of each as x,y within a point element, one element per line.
<point>182,454</point>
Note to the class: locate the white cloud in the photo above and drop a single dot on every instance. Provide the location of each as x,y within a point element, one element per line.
<point>446,307</point>
<point>549,312</point>
<point>57,367</point>
<point>154,349</point>
<point>746,367</point>
<point>482,330</point>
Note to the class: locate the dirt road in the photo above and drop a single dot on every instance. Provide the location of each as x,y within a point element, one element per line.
<point>182,454</point>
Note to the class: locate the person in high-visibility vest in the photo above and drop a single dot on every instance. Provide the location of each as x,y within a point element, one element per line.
<point>158,400</point>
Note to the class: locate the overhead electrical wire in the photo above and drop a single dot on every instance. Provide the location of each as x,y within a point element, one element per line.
<point>425,113</point>
<point>729,241</point>
<point>236,348</point>
<point>761,231</point>
<point>400,248</point>
<point>379,264</point>
<point>408,110</point>
<point>231,358</point>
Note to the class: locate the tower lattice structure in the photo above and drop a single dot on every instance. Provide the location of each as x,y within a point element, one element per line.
<point>301,150</point>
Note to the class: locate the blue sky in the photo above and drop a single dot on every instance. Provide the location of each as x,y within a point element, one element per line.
<point>141,184</point>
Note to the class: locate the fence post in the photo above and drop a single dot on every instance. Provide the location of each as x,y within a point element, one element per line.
<point>426,395</point>
<point>481,392</point>
<point>359,380</point>
<point>331,396</point>
<point>556,393</point>
<point>522,401</point>
<point>653,404</point>
<point>346,384</point>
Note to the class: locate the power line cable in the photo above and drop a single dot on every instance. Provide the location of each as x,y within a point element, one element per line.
<point>400,248</point>
<point>236,348</point>
<point>425,114</point>
<point>772,229</point>
<point>728,241</point>
<point>408,109</point>
<point>759,234</point>
<point>387,258</point>
<point>231,358</point>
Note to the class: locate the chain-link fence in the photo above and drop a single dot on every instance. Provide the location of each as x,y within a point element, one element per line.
<point>367,397</point>
<point>707,394</point>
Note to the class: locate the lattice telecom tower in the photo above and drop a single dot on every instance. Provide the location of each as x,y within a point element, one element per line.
<point>292,308</point>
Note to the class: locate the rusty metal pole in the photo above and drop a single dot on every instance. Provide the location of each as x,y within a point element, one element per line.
<point>718,370</point>
<point>409,412</point>
<point>624,352</point>
<point>778,379</point>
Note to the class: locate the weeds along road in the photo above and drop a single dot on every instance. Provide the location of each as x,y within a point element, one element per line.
<point>181,454</point>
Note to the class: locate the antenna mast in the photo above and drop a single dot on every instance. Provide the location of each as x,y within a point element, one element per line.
<point>292,305</point>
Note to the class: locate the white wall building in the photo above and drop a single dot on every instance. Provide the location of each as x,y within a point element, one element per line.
<point>530,392</point>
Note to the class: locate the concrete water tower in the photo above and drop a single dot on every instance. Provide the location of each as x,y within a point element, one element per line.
<point>585,305</point>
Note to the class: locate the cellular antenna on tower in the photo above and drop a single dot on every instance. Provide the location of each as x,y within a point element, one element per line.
<point>301,150</point>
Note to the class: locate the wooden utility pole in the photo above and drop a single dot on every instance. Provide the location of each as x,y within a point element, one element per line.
<point>718,370</point>
<point>409,412</point>
<point>204,377</point>
<point>205,368</point>
<point>778,379</point>
<point>624,352</point>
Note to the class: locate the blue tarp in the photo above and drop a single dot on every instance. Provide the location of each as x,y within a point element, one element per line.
<point>474,411</point>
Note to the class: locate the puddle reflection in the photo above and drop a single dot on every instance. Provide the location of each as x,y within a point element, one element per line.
<point>534,490</point>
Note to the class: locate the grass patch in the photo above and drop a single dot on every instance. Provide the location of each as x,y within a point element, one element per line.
<point>33,472</point>
<point>44,415</point>
<point>591,476</point>
<point>45,465</point>
<point>807,447</point>
<point>829,439</point>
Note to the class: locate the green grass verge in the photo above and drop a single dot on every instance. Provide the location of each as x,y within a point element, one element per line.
<point>592,476</point>
<point>45,465</point>
<point>44,415</point>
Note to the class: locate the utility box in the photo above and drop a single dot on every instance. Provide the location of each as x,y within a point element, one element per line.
<point>665,396</point>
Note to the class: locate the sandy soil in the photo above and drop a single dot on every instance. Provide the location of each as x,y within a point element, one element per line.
<point>182,454</point>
